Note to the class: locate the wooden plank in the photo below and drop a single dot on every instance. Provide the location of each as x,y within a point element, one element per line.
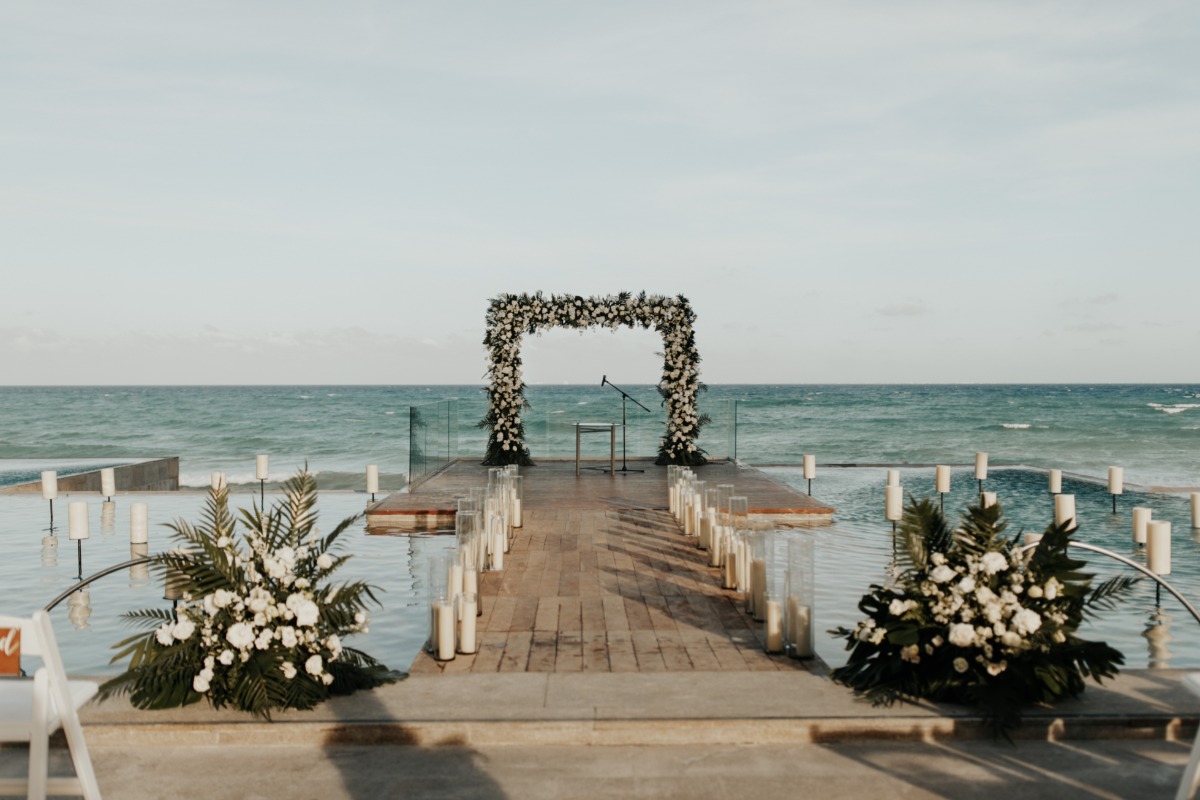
<point>645,648</point>
<point>570,653</point>
<point>516,651</point>
<point>595,652</point>
<point>543,651</point>
<point>547,614</point>
<point>491,651</point>
<point>621,657</point>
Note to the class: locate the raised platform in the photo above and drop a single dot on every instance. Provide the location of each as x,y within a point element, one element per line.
<point>554,486</point>
<point>150,475</point>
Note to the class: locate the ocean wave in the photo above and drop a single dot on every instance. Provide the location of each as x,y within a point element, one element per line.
<point>1176,408</point>
<point>1022,426</point>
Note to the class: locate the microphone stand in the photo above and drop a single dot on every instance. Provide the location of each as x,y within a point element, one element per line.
<point>624,396</point>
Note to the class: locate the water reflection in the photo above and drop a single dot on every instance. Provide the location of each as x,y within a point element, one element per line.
<point>1158,636</point>
<point>108,517</point>
<point>50,552</point>
<point>80,605</point>
<point>139,574</point>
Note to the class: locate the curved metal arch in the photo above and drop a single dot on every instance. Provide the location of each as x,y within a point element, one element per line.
<point>108,571</point>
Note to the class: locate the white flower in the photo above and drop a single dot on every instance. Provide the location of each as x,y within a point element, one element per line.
<point>938,559</point>
<point>223,542</point>
<point>183,629</point>
<point>287,636</point>
<point>264,639</point>
<point>240,635</point>
<point>960,664</point>
<point>222,598</point>
<point>307,613</point>
<point>1035,591</point>
<point>1026,621</point>
<point>996,669</point>
<point>911,653</point>
<point>993,562</point>
<point>289,670</point>
<point>966,585</point>
<point>324,561</point>
<point>897,607</point>
<point>942,574</point>
<point>962,635</point>
<point>1010,640</point>
<point>1051,589</point>
<point>226,657</point>
<point>200,683</point>
<point>334,644</point>
<point>360,617</point>
<point>326,679</point>
<point>163,635</point>
<point>313,665</point>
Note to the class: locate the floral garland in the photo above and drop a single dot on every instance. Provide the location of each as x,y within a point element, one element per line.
<point>511,316</point>
<point>972,619</point>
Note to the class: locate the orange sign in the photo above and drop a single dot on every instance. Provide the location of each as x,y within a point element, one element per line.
<point>10,651</point>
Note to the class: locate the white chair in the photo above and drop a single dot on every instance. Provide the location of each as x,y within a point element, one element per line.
<point>32,710</point>
<point>1191,773</point>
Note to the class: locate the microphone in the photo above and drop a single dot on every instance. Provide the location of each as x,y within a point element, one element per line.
<point>604,380</point>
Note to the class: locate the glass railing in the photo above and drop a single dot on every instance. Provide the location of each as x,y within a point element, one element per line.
<point>550,429</point>
<point>432,438</point>
<point>718,438</point>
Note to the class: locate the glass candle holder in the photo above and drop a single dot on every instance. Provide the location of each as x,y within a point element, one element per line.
<point>468,610</point>
<point>798,606</point>
<point>772,622</point>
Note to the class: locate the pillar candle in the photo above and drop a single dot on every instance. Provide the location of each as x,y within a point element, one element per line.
<point>758,582</point>
<point>1158,546</point>
<point>108,481</point>
<point>942,479</point>
<point>729,575</point>
<point>1055,481</point>
<point>1116,480</point>
<point>372,478</point>
<point>498,550</point>
<point>800,626</point>
<point>466,625</point>
<point>716,544</point>
<point>893,505</point>
<point>49,485</point>
<point>518,513</point>
<point>988,499</point>
<point>981,465</point>
<point>456,579</point>
<point>1064,509</point>
<point>139,527</point>
<point>774,623</point>
<point>470,580</point>
<point>1141,516</point>
<point>893,477</point>
<point>443,612</point>
<point>1196,509</point>
<point>260,468</point>
<point>810,467</point>
<point>77,519</point>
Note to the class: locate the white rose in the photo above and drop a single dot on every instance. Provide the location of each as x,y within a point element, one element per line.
<point>183,629</point>
<point>1026,621</point>
<point>223,542</point>
<point>1035,591</point>
<point>287,635</point>
<point>1010,640</point>
<point>289,670</point>
<point>897,607</point>
<point>326,679</point>
<point>307,613</point>
<point>313,665</point>
<point>993,562</point>
<point>226,657</point>
<point>221,598</point>
<point>163,635</point>
<point>334,644</point>
<point>200,683</point>
<point>962,635</point>
<point>966,585</point>
<point>1051,589</point>
<point>324,561</point>
<point>240,635</point>
<point>942,574</point>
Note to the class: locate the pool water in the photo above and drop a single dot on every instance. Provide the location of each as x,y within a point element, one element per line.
<point>856,551</point>
<point>33,572</point>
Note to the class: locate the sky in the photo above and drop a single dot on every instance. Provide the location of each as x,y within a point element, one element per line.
<point>864,192</point>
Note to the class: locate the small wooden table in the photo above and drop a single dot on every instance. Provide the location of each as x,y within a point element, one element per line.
<point>598,427</point>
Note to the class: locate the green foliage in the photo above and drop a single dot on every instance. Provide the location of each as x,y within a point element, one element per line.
<point>971,619</point>
<point>259,625</point>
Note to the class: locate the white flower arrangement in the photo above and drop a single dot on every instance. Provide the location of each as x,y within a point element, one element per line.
<point>257,627</point>
<point>973,619</point>
<point>510,317</point>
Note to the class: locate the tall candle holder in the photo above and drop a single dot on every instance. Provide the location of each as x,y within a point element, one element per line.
<point>108,482</point>
<point>1141,516</point>
<point>50,492</point>
<point>440,607</point>
<point>942,483</point>
<point>1116,484</point>
<point>372,480</point>
<point>260,474</point>
<point>810,471</point>
<point>77,526</point>
<point>798,610</point>
<point>981,469</point>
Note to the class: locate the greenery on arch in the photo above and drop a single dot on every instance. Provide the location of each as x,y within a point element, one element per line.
<point>512,316</point>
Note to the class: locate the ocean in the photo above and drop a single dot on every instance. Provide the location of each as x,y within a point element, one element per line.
<point>1153,431</point>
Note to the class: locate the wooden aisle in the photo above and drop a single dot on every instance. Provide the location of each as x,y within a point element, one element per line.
<point>619,590</point>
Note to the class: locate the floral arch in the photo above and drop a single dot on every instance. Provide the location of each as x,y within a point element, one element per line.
<point>512,316</point>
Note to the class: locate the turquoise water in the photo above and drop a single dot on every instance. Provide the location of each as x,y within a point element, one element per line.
<point>1151,430</point>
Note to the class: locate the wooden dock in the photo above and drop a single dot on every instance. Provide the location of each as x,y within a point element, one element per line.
<point>601,578</point>
<point>553,485</point>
